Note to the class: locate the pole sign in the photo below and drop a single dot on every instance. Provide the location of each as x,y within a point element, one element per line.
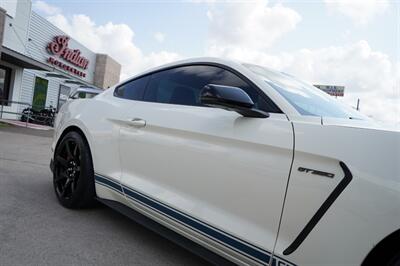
<point>59,48</point>
<point>332,89</point>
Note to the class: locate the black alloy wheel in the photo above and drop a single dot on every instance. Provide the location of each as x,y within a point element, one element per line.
<point>73,175</point>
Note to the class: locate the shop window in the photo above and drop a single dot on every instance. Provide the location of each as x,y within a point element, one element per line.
<point>40,93</point>
<point>5,81</point>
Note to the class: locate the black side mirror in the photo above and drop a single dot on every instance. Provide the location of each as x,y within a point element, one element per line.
<point>231,99</point>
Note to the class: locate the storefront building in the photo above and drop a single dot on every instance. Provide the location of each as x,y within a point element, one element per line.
<point>40,64</point>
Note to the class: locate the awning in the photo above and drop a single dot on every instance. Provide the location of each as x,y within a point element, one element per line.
<point>21,60</point>
<point>24,61</point>
<point>56,75</point>
<point>76,82</point>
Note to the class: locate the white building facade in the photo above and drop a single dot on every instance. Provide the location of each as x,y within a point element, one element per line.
<point>40,64</point>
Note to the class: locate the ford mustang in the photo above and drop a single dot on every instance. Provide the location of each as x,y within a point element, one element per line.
<point>237,162</point>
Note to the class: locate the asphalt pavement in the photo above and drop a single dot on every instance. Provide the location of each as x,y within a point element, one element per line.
<point>36,230</point>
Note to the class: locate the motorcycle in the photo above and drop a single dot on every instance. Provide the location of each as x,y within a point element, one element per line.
<point>43,117</point>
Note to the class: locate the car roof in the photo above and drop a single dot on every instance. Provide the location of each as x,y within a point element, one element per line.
<point>88,90</point>
<point>198,60</point>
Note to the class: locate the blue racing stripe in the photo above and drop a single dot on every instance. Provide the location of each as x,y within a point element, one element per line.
<point>248,250</point>
<point>263,257</point>
<point>107,181</point>
<point>107,186</point>
<point>195,219</point>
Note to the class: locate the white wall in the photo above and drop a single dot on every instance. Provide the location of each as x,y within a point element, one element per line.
<point>26,92</point>
<point>28,33</point>
<point>42,32</point>
<point>9,6</point>
<point>16,36</point>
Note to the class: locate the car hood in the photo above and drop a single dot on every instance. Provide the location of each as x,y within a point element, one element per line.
<point>372,142</point>
<point>362,124</point>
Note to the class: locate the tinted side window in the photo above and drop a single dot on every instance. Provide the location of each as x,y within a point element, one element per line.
<point>182,85</point>
<point>178,85</point>
<point>132,90</point>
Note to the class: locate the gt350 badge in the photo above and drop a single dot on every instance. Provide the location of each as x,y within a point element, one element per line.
<point>315,172</point>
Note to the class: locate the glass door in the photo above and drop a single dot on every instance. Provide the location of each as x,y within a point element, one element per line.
<point>40,93</point>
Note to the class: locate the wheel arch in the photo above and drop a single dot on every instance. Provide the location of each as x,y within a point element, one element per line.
<point>384,250</point>
<point>74,128</point>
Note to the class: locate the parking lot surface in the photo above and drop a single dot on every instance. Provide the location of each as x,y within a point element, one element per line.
<point>36,230</point>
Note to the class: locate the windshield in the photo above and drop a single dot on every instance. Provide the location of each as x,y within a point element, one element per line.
<point>305,98</point>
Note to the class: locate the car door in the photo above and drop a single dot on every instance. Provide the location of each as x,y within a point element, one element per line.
<point>214,175</point>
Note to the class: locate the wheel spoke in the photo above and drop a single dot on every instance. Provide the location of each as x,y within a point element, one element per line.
<point>61,160</point>
<point>60,176</point>
<point>63,191</point>
<point>65,187</point>
<point>68,183</point>
<point>73,183</point>
<point>69,153</point>
<point>76,149</point>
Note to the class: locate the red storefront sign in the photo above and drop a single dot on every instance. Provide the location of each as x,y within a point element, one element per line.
<point>53,61</point>
<point>59,47</point>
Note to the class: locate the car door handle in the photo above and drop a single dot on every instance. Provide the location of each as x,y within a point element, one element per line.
<point>137,122</point>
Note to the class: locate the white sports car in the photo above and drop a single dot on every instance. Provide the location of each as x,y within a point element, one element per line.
<point>237,162</point>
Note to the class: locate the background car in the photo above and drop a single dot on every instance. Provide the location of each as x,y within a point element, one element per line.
<point>83,92</point>
<point>251,164</point>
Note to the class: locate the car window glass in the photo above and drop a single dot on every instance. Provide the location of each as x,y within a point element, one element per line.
<point>305,98</point>
<point>182,85</point>
<point>132,90</point>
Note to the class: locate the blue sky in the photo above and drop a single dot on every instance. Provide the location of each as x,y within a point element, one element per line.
<point>354,43</point>
<point>322,27</point>
<point>186,24</point>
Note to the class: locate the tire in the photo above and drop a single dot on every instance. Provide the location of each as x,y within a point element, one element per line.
<point>395,261</point>
<point>73,175</point>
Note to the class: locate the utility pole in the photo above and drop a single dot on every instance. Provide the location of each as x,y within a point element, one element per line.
<point>358,104</point>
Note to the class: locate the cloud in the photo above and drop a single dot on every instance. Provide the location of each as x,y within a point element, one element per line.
<point>159,36</point>
<point>359,11</point>
<point>246,31</point>
<point>46,8</point>
<point>200,1</point>
<point>116,40</point>
<point>366,74</point>
<point>251,24</point>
